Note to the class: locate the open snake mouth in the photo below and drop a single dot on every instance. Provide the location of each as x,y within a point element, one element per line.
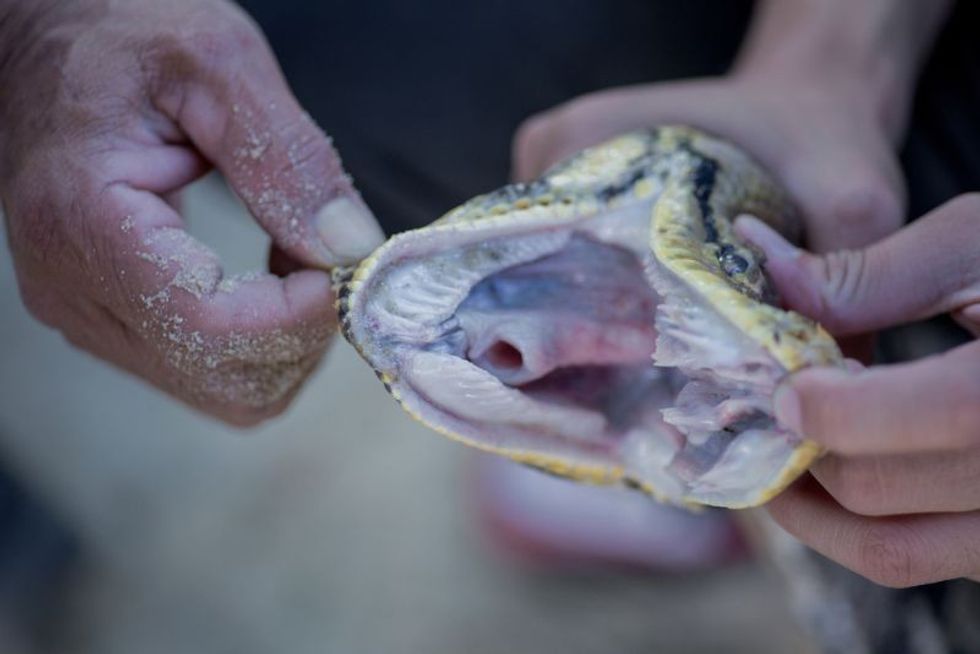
<point>539,344</point>
<point>575,330</point>
<point>603,323</point>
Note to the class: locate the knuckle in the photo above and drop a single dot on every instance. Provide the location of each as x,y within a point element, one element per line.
<point>532,129</point>
<point>963,413</point>
<point>309,152</point>
<point>889,556</point>
<point>578,123</point>
<point>216,46</point>
<point>967,204</point>
<point>77,339</point>
<point>238,394</point>
<point>531,137</point>
<point>238,378</point>
<point>873,208</point>
<point>219,395</point>
<point>40,305</point>
<point>842,279</point>
<point>211,43</point>
<point>246,417</point>
<point>37,237</point>
<point>264,391</point>
<point>583,121</point>
<point>859,487</point>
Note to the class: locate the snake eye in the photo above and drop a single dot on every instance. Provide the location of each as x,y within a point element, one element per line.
<point>731,262</point>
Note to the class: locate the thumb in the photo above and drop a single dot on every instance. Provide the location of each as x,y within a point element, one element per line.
<point>930,267</point>
<point>238,111</point>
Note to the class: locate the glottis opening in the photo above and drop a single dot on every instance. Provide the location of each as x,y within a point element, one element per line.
<point>505,357</point>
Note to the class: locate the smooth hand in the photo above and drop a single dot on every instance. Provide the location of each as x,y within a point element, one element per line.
<point>819,94</point>
<point>107,110</point>
<point>898,497</point>
<point>825,146</point>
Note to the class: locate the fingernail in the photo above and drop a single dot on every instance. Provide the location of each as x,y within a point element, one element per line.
<point>348,230</point>
<point>786,406</point>
<point>765,237</point>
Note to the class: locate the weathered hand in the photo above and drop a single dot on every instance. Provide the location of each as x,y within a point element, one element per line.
<point>109,108</point>
<point>824,143</point>
<point>898,498</point>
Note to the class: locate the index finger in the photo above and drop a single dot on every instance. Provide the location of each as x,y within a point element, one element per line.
<point>895,551</point>
<point>223,88</point>
<point>235,347</point>
<point>927,405</point>
<point>930,267</point>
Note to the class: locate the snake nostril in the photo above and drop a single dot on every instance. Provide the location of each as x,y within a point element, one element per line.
<point>505,356</point>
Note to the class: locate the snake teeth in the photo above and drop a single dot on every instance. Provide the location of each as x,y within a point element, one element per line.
<point>603,322</point>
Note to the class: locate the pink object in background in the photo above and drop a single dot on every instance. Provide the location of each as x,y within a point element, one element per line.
<point>550,522</point>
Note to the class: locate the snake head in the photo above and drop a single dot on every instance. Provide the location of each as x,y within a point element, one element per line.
<point>602,323</point>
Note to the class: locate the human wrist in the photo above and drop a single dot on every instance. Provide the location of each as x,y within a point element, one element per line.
<point>21,22</point>
<point>867,53</point>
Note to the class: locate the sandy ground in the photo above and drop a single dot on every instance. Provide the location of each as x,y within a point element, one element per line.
<point>341,527</point>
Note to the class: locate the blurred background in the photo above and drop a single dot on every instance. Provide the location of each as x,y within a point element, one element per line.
<point>129,524</point>
<point>342,527</point>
